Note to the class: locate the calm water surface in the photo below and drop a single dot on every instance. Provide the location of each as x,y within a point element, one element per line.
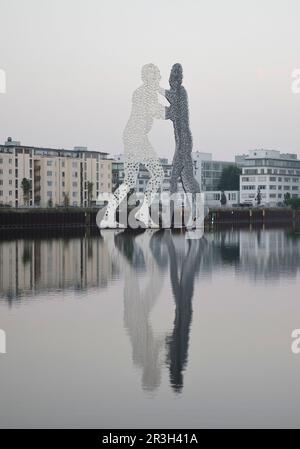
<point>151,330</point>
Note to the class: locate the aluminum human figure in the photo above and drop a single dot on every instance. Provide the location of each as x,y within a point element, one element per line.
<point>138,149</point>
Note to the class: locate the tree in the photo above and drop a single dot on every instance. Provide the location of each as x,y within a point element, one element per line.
<point>223,199</point>
<point>26,186</point>
<point>230,178</point>
<point>50,202</point>
<point>258,197</point>
<point>90,191</point>
<point>287,197</point>
<point>294,203</point>
<point>66,199</point>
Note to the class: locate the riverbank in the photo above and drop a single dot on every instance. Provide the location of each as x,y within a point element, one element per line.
<point>64,218</point>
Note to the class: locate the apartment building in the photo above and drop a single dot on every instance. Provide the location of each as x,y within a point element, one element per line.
<point>56,176</point>
<point>272,173</point>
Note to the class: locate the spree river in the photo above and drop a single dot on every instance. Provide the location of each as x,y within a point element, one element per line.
<point>150,329</point>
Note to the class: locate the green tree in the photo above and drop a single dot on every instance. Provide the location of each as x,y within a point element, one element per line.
<point>230,178</point>
<point>223,199</point>
<point>26,186</point>
<point>90,192</point>
<point>66,199</point>
<point>294,203</point>
<point>287,198</point>
<point>258,197</point>
<point>50,202</point>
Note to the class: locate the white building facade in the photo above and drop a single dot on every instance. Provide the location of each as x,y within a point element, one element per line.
<point>271,173</point>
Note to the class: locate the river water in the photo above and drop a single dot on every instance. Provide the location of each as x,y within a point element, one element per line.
<point>150,329</point>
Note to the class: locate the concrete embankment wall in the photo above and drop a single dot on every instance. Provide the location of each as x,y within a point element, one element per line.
<point>52,218</point>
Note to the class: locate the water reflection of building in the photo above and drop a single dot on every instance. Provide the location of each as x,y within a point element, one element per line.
<point>269,254</point>
<point>30,266</point>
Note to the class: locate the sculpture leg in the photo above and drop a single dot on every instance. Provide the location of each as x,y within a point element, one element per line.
<point>177,167</point>
<point>190,185</point>
<point>155,169</point>
<point>131,172</point>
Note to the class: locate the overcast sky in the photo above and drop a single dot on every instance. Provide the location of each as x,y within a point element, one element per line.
<point>72,65</point>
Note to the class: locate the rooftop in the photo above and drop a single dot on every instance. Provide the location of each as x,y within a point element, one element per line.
<point>10,144</point>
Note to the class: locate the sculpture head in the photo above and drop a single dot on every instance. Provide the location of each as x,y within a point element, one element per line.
<point>151,75</point>
<point>176,76</point>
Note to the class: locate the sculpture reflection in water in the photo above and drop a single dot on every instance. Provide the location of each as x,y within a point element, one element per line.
<point>135,253</point>
<point>183,268</point>
<point>152,252</point>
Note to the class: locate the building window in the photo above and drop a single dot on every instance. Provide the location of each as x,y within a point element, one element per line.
<point>49,163</point>
<point>49,194</point>
<point>248,187</point>
<point>49,183</point>
<point>49,173</point>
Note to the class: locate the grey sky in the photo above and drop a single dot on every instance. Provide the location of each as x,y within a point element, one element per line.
<point>72,66</point>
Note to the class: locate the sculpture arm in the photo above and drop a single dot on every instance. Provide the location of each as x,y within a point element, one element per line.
<point>165,93</point>
<point>168,113</point>
<point>157,110</point>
